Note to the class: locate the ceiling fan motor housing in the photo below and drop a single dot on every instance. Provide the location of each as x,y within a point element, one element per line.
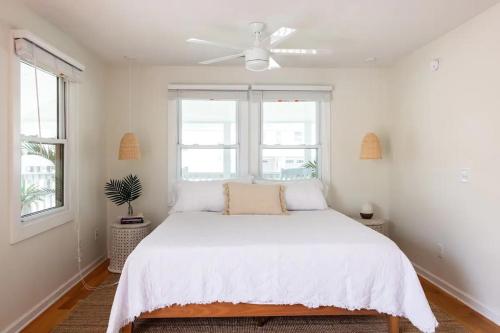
<point>256,59</point>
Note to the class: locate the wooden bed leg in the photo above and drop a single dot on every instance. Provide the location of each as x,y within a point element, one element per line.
<point>128,328</point>
<point>393,324</point>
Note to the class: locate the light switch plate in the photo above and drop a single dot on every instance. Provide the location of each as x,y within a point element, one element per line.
<point>464,175</point>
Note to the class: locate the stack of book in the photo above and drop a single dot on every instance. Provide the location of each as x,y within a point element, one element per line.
<point>131,219</point>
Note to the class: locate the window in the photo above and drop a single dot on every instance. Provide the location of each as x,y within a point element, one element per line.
<point>275,134</point>
<point>42,176</point>
<point>43,140</point>
<point>208,139</point>
<point>290,139</point>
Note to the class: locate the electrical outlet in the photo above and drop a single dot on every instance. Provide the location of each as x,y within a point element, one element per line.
<point>96,234</point>
<point>440,252</point>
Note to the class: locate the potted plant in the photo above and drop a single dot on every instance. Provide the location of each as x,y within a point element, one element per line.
<point>125,190</point>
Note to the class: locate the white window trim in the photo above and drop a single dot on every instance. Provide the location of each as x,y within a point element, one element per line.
<point>27,227</point>
<point>317,146</point>
<point>323,131</point>
<point>174,146</point>
<point>241,114</point>
<point>249,140</point>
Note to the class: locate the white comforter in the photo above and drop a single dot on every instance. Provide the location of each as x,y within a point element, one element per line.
<point>311,258</point>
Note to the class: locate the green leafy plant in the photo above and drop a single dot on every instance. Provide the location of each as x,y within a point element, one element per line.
<point>33,148</point>
<point>313,165</point>
<point>125,190</point>
<point>32,193</point>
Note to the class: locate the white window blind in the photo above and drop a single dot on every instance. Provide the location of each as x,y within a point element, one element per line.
<point>38,56</point>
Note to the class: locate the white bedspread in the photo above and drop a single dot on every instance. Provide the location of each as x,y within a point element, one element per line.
<point>312,258</point>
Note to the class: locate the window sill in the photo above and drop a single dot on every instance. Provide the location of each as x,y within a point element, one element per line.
<point>38,224</point>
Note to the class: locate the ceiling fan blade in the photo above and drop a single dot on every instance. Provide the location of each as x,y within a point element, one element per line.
<point>229,57</point>
<point>300,51</point>
<point>273,64</point>
<point>279,36</point>
<point>207,42</point>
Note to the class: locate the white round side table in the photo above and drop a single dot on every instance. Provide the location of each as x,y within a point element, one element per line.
<point>376,224</point>
<point>124,239</point>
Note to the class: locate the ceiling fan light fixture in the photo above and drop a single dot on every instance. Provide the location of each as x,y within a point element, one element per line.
<point>257,65</point>
<point>257,59</point>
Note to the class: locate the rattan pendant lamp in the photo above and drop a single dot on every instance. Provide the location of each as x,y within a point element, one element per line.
<point>370,147</point>
<point>129,144</point>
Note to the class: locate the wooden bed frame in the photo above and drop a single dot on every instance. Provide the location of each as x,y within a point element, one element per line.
<point>255,310</point>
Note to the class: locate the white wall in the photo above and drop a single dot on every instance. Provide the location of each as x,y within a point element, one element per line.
<point>442,122</point>
<point>34,268</point>
<point>359,106</point>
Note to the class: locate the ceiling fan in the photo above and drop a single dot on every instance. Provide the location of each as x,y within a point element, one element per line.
<point>258,56</point>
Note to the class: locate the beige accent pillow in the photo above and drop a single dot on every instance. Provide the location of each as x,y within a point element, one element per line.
<point>254,199</point>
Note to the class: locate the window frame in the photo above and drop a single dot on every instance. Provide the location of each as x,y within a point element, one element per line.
<point>318,146</point>
<point>181,146</point>
<point>249,126</point>
<point>31,225</point>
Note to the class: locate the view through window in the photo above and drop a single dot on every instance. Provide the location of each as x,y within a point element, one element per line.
<point>289,140</point>
<point>209,139</point>
<point>285,133</point>
<point>42,127</point>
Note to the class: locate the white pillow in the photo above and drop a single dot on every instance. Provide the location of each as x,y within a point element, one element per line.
<point>198,196</point>
<point>302,194</point>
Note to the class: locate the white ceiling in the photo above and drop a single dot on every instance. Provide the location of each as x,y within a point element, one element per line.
<point>154,31</point>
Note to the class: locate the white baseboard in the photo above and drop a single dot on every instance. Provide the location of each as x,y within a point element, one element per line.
<point>35,311</point>
<point>462,296</point>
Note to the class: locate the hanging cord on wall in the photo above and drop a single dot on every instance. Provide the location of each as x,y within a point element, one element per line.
<point>37,97</point>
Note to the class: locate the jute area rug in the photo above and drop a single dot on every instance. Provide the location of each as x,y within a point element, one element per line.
<point>91,316</point>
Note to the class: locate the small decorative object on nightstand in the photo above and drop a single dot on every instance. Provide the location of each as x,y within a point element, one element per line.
<point>366,211</point>
<point>124,239</point>
<point>376,224</point>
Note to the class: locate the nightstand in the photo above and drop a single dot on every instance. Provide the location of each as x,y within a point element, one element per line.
<point>124,239</point>
<point>376,224</point>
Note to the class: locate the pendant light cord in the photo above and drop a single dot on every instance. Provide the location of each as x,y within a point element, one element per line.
<point>37,97</point>
<point>129,95</point>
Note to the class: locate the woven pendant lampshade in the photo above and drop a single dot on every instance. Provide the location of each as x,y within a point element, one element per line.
<point>370,148</point>
<point>129,147</point>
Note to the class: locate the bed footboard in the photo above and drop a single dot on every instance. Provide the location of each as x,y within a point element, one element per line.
<point>393,324</point>
<point>130,327</point>
<point>255,310</point>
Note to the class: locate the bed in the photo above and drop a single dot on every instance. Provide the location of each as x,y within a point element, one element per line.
<point>204,264</point>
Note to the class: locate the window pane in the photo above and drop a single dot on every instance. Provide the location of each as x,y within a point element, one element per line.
<point>286,164</point>
<point>42,177</point>
<point>289,123</point>
<point>206,122</point>
<point>206,164</point>
<point>47,95</point>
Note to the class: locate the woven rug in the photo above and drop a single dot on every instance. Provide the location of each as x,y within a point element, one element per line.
<point>91,316</point>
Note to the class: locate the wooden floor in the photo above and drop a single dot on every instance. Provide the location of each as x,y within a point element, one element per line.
<point>63,307</point>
